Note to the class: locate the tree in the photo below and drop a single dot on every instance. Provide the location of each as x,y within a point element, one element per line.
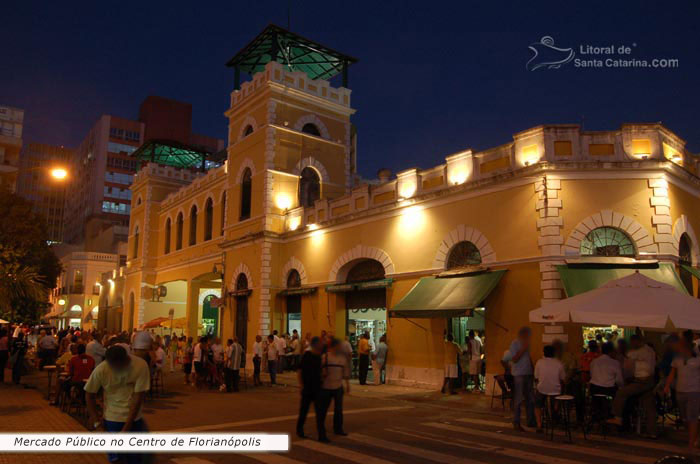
<point>28,266</point>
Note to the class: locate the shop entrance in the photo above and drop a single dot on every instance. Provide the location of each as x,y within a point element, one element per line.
<point>210,317</point>
<point>293,321</point>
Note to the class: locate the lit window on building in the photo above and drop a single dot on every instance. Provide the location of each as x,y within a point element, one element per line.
<point>607,241</point>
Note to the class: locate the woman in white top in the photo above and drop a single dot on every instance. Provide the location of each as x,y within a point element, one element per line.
<point>685,368</point>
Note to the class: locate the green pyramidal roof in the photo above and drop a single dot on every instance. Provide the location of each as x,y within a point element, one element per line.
<point>275,43</point>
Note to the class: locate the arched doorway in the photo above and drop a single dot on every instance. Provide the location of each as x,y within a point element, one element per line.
<point>465,255</point>
<point>242,292</point>
<point>365,303</point>
<point>293,303</point>
<point>685,245</point>
<point>309,187</point>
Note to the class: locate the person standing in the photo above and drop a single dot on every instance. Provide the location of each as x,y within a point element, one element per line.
<point>272,355</point>
<point>19,349</point>
<point>309,377</point>
<point>380,354</point>
<point>363,351</point>
<point>124,380</point>
<point>233,355</point>
<point>142,345</point>
<point>336,371</point>
<point>451,359</point>
<point>521,367</point>
<point>475,352</point>
<point>642,386</point>
<point>187,360</point>
<point>685,369</point>
<point>257,359</point>
<point>4,353</point>
<point>47,347</point>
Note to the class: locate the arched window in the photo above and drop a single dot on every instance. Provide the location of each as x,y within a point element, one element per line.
<point>208,219</point>
<point>167,236</point>
<point>193,225</point>
<point>293,279</point>
<point>463,254</point>
<point>135,251</point>
<point>223,213</point>
<point>248,130</point>
<point>246,193</point>
<point>178,232</point>
<point>607,241</point>
<point>311,129</point>
<point>685,258</point>
<point>309,187</point>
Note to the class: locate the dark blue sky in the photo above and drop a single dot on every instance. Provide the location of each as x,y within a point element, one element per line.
<point>433,77</point>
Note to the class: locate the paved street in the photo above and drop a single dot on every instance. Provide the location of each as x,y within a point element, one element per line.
<point>387,424</point>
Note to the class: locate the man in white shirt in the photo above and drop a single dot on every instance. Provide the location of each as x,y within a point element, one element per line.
<point>549,373</point>
<point>281,346</point>
<point>232,364</point>
<point>475,350</point>
<point>606,373</point>
<point>644,359</point>
<point>95,350</point>
<point>257,359</point>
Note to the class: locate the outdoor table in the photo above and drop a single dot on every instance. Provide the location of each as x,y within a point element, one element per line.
<point>49,371</point>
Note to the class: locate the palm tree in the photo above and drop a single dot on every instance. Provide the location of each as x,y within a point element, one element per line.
<point>17,281</point>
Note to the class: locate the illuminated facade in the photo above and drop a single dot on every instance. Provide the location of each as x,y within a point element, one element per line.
<point>289,240</point>
<point>11,126</point>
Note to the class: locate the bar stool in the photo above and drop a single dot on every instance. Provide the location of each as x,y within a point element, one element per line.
<point>565,402</point>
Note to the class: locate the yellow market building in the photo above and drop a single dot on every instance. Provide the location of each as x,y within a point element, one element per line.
<point>283,237</point>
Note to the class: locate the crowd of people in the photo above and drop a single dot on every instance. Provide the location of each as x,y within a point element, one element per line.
<point>632,373</point>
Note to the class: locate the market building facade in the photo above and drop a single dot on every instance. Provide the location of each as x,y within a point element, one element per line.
<point>282,236</point>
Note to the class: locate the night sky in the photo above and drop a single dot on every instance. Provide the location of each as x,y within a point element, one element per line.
<point>433,78</point>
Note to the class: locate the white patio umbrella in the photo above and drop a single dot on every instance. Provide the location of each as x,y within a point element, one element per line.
<point>632,301</point>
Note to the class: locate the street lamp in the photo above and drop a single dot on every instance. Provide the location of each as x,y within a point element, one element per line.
<point>59,173</point>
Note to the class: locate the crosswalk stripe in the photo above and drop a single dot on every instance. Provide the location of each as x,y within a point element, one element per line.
<point>272,458</point>
<point>339,452</point>
<point>669,448</point>
<point>268,420</point>
<point>544,444</point>
<point>477,446</point>
<point>422,453</point>
<point>504,451</point>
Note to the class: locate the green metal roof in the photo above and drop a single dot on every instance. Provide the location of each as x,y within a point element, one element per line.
<point>577,280</point>
<point>172,153</point>
<point>276,43</point>
<point>447,296</point>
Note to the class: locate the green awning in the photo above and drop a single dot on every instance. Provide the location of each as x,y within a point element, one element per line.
<point>578,280</point>
<point>351,287</point>
<point>693,270</point>
<point>447,296</point>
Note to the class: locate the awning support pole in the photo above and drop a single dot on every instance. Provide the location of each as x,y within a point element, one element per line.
<point>414,323</point>
<point>491,320</point>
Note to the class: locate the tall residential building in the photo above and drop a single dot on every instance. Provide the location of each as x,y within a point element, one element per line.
<point>36,185</point>
<point>102,169</point>
<point>11,124</point>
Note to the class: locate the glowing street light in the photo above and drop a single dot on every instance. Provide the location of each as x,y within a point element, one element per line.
<point>59,173</point>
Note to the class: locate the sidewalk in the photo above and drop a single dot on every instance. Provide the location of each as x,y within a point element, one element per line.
<point>26,410</point>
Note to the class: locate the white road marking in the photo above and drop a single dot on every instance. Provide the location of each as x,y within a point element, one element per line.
<point>412,450</point>
<point>541,443</point>
<point>268,420</point>
<point>339,452</point>
<point>502,450</point>
<point>669,448</point>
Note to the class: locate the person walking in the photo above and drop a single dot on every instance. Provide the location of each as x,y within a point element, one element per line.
<point>257,359</point>
<point>521,367</point>
<point>336,371</point>
<point>17,352</point>
<point>379,367</point>
<point>642,386</point>
<point>272,355</point>
<point>124,380</point>
<point>451,358</point>
<point>363,351</point>
<point>309,377</point>
<point>685,369</point>
<point>4,353</point>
